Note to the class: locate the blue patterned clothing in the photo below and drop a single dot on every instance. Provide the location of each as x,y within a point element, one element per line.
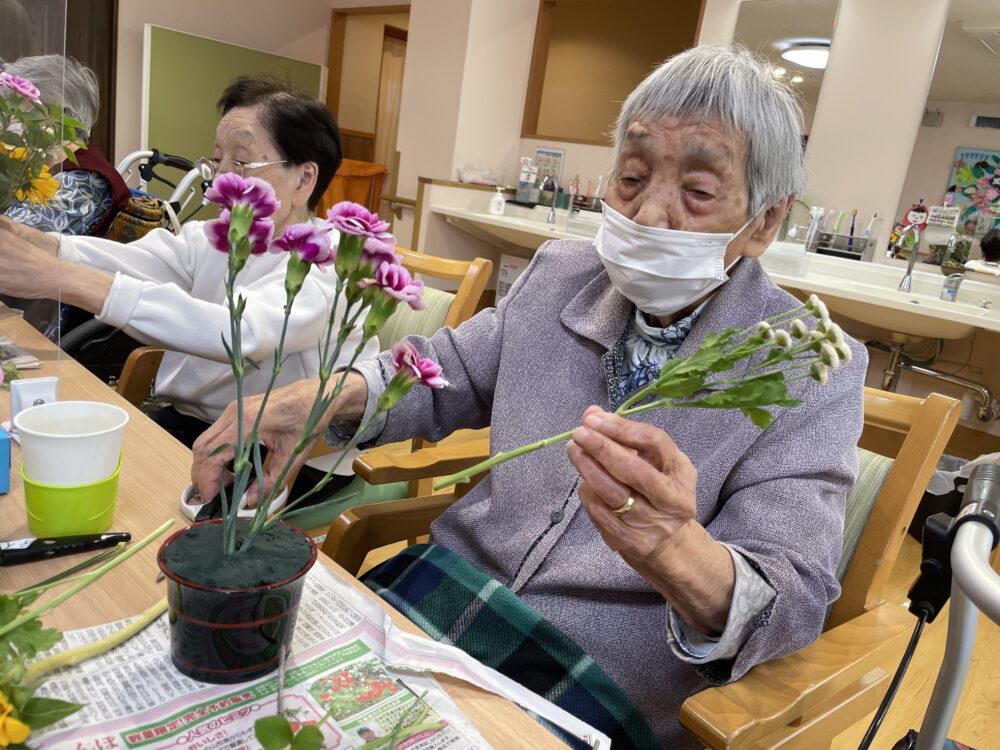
<point>80,203</point>
<point>648,347</point>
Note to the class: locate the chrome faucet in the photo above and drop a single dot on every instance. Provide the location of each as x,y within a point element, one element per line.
<point>904,284</point>
<point>950,248</point>
<point>551,218</point>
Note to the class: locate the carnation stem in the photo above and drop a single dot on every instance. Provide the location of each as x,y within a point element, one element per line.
<point>87,651</point>
<point>85,581</point>
<point>467,474</point>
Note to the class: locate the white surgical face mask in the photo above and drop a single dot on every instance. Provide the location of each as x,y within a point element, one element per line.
<point>662,270</point>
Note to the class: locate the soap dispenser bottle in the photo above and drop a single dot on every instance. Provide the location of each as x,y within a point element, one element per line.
<point>497,203</point>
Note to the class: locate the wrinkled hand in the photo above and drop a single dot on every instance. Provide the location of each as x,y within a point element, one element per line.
<point>28,271</point>
<point>31,235</point>
<point>280,429</point>
<point>659,537</point>
<point>618,459</point>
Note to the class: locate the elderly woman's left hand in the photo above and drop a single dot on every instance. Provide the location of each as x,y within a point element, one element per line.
<point>637,469</point>
<point>638,488</point>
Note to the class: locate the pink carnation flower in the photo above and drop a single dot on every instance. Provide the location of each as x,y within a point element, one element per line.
<point>313,244</point>
<point>260,234</point>
<point>21,86</point>
<point>229,189</point>
<point>409,363</point>
<point>397,283</point>
<point>353,218</point>
<point>380,249</point>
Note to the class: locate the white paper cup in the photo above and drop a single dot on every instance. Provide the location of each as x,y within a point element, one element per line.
<point>69,443</point>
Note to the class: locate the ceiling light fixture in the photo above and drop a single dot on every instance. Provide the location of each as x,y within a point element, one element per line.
<point>811,54</point>
<point>797,79</point>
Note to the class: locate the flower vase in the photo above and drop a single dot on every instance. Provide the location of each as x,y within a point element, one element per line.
<point>228,621</point>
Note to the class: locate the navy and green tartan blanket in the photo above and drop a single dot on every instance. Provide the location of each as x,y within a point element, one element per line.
<point>455,603</point>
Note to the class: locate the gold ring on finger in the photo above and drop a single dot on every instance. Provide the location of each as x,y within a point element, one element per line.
<point>625,507</point>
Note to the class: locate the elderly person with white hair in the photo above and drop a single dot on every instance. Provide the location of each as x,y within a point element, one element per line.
<point>652,557</point>
<point>90,190</point>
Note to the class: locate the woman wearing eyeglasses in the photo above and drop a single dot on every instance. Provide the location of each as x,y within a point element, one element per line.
<point>168,290</point>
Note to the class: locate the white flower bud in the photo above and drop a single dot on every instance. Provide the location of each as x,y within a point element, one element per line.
<point>815,337</point>
<point>819,372</point>
<point>844,350</point>
<point>798,329</point>
<point>763,327</point>
<point>782,339</point>
<point>817,307</point>
<point>834,333</point>
<point>822,325</point>
<point>828,355</point>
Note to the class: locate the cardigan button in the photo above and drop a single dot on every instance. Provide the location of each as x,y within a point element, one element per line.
<point>556,516</point>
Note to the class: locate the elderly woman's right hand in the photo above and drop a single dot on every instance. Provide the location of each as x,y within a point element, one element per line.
<point>29,234</point>
<point>279,431</point>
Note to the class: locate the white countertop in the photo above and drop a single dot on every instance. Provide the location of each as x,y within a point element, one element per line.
<point>867,292</point>
<point>862,291</point>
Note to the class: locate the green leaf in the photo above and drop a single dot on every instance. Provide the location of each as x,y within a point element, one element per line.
<point>273,732</point>
<point>680,387</point>
<point>308,738</point>
<point>765,390</point>
<point>759,417</point>
<point>40,712</point>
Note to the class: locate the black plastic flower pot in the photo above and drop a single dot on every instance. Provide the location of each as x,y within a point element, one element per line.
<point>223,634</point>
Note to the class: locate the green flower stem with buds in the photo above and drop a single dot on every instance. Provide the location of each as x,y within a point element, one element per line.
<point>688,382</point>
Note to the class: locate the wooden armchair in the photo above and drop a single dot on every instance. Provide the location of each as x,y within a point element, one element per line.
<point>358,181</point>
<point>800,701</point>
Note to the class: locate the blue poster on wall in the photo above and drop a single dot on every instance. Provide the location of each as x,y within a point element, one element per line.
<point>974,187</point>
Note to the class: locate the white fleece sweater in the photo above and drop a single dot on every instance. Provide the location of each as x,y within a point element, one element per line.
<point>169,290</point>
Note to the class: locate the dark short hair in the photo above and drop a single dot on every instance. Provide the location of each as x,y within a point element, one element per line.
<point>990,245</point>
<point>299,124</point>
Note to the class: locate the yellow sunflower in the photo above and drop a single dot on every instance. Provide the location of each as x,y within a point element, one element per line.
<point>40,189</point>
<point>16,152</point>
<point>12,731</point>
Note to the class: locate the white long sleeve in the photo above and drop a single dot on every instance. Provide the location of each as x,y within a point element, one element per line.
<point>170,291</point>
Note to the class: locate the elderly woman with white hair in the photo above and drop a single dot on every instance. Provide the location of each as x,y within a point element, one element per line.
<point>90,190</point>
<point>652,557</point>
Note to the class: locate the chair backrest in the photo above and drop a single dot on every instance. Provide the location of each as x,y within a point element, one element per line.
<point>443,308</point>
<point>358,181</point>
<point>883,501</point>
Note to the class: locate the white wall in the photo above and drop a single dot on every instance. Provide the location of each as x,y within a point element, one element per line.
<point>934,152</point>
<point>432,84</point>
<point>494,85</point>
<point>299,29</point>
<point>865,125</point>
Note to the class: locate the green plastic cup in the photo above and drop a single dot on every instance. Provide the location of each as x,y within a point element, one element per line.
<point>67,511</point>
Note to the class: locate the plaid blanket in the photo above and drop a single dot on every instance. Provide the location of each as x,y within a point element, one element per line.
<point>455,603</point>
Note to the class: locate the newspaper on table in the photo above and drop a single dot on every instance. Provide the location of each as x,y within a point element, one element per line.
<point>347,659</point>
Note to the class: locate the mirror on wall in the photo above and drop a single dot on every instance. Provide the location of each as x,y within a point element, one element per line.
<point>791,34</point>
<point>956,157</point>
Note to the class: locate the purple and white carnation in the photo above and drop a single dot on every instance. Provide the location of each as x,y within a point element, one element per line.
<point>312,243</point>
<point>353,218</point>
<point>396,282</point>
<point>229,190</point>
<point>21,86</point>
<point>408,363</point>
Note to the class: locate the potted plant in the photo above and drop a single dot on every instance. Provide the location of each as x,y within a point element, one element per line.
<point>33,135</point>
<point>234,586</point>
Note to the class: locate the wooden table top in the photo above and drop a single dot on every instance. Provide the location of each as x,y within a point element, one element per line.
<point>155,470</point>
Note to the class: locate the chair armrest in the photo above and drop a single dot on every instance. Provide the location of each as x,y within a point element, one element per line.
<point>359,530</point>
<point>444,458</point>
<point>785,691</point>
